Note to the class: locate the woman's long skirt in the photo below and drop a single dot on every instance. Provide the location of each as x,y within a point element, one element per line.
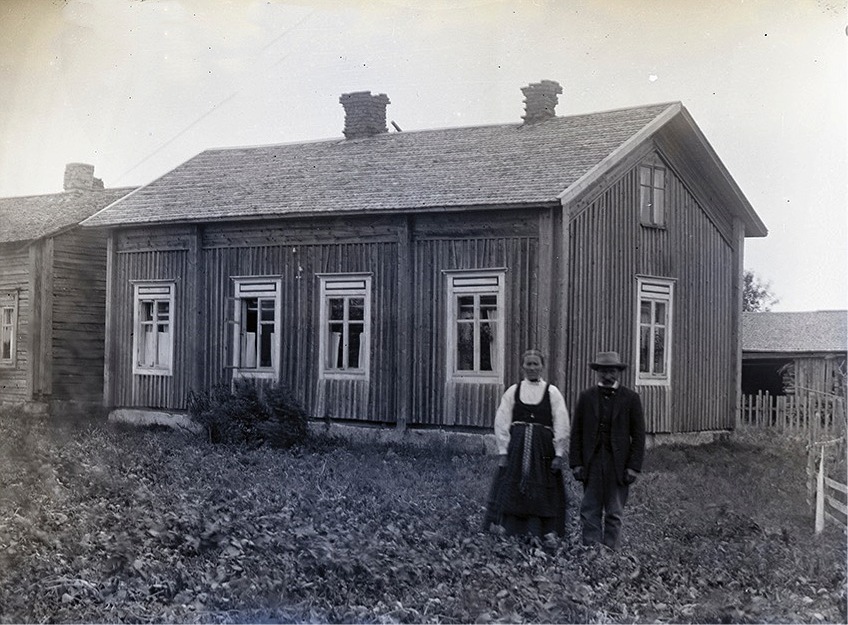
<point>525,496</point>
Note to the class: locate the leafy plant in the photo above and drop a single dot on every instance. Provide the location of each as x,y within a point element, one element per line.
<point>250,413</point>
<point>757,295</point>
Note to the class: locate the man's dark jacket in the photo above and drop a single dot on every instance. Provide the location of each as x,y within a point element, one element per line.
<point>627,431</point>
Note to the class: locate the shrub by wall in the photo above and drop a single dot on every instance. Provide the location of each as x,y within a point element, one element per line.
<point>250,413</point>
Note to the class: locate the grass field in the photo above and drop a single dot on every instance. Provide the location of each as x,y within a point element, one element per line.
<point>106,524</point>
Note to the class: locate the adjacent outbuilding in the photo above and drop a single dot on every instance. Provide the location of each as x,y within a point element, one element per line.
<point>794,352</point>
<point>53,294</point>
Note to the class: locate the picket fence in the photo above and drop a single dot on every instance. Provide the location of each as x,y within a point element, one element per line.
<point>831,495</point>
<point>818,415</point>
<point>820,419</point>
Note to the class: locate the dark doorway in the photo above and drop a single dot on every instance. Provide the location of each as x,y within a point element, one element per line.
<point>763,376</point>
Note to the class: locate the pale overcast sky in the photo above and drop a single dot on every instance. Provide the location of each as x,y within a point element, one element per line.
<point>136,87</point>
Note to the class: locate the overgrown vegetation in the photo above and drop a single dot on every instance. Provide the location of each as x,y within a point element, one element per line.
<point>250,413</point>
<point>103,524</point>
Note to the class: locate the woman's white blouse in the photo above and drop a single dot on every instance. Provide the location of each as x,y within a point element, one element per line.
<point>531,393</point>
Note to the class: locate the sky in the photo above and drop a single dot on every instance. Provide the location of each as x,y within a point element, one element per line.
<point>136,87</point>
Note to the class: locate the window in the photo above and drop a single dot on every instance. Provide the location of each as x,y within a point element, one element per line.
<point>8,328</point>
<point>153,338</point>
<point>256,349</point>
<point>344,342</point>
<point>654,331</point>
<point>475,326</point>
<point>652,195</point>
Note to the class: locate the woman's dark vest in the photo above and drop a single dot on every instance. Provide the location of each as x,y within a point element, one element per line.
<point>540,414</point>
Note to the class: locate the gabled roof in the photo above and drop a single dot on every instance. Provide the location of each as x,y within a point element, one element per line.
<point>31,217</point>
<point>793,332</point>
<point>510,165</point>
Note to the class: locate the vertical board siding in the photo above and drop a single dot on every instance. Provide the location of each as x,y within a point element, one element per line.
<point>470,404</point>
<point>14,276</point>
<point>609,248</point>
<point>297,266</point>
<point>152,391</point>
<point>79,304</point>
<point>703,351</point>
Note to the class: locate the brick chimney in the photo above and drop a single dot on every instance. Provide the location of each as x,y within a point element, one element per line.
<point>540,100</point>
<point>365,114</point>
<point>80,177</point>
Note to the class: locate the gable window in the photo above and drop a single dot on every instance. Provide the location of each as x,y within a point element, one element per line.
<point>475,325</point>
<point>153,336</point>
<point>652,195</point>
<point>344,341</point>
<point>654,315</point>
<point>256,349</point>
<point>8,328</point>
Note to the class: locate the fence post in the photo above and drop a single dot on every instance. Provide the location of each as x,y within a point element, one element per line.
<point>820,495</point>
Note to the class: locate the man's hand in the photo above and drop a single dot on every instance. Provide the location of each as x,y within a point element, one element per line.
<point>556,464</point>
<point>502,460</point>
<point>630,476</point>
<point>578,474</point>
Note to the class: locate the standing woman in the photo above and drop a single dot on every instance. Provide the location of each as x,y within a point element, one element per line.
<point>531,431</point>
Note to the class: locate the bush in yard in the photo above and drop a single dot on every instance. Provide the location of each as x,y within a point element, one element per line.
<point>250,413</point>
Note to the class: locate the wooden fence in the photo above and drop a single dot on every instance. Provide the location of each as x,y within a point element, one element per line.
<point>817,415</point>
<point>831,495</point>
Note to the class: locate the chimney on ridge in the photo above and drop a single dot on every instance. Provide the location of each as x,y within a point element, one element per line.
<point>365,114</point>
<point>540,100</point>
<point>80,177</point>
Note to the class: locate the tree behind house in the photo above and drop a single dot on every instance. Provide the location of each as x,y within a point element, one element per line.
<point>757,295</point>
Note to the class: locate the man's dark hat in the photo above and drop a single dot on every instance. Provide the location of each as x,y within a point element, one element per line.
<point>607,359</point>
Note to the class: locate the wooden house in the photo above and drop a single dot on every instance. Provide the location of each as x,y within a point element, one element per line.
<point>794,352</point>
<point>396,277</point>
<point>53,294</point>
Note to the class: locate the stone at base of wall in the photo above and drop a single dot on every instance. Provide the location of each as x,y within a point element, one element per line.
<point>686,438</point>
<point>469,442</point>
<point>154,417</point>
<point>455,441</point>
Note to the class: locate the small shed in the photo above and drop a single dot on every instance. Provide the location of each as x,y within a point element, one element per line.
<point>787,353</point>
<point>396,277</point>
<point>53,294</point>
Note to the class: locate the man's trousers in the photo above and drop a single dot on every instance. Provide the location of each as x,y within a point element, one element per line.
<point>603,502</point>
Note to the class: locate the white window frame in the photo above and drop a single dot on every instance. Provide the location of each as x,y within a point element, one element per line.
<point>155,292</point>
<point>261,288</point>
<point>9,301</point>
<point>476,282</point>
<point>654,191</point>
<point>652,289</point>
<point>346,286</point>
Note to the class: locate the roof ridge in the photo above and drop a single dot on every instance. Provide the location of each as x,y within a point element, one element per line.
<point>340,139</point>
<point>64,193</point>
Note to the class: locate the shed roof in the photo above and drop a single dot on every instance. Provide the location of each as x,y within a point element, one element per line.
<point>509,165</point>
<point>31,217</point>
<point>793,332</point>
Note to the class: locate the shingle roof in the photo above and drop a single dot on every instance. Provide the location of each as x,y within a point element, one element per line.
<point>502,165</point>
<point>822,331</point>
<point>31,217</point>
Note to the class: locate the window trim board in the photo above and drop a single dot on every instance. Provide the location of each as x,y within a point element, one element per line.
<point>12,361</point>
<point>452,375</point>
<point>363,373</point>
<point>649,379</point>
<point>171,287</point>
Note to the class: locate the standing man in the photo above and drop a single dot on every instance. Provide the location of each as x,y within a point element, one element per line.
<point>606,450</point>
